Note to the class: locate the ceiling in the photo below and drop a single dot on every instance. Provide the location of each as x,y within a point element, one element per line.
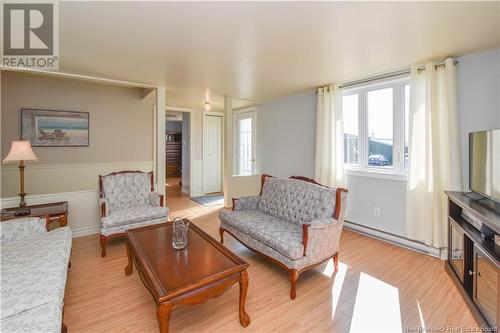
<point>260,51</point>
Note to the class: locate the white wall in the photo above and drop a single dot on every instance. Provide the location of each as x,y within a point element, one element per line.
<point>368,193</point>
<point>186,151</point>
<point>196,153</point>
<point>478,98</point>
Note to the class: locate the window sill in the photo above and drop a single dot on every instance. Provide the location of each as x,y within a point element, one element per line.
<point>380,174</point>
<point>242,176</point>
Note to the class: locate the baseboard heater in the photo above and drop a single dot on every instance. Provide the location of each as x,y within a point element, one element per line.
<point>396,240</point>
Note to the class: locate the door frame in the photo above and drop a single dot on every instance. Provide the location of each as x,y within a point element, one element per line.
<point>190,111</point>
<point>212,114</point>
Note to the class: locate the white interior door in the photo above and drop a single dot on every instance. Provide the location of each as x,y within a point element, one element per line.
<point>212,156</point>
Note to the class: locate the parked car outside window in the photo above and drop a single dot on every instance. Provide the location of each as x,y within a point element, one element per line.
<point>378,160</point>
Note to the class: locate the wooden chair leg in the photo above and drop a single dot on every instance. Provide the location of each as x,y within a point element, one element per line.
<point>221,233</point>
<point>103,245</point>
<point>336,261</point>
<point>64,328</point>
<point>294,275</point>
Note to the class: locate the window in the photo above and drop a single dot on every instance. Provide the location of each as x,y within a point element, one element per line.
<point>244,142</point>
<point>376,126</point>
<point>380,127</point>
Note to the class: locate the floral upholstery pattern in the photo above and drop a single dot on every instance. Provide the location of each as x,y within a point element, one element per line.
<point>22,228</point>
<point>246,203</point>
<point>272,223</point>
<point>154,199</point>
<point>296,201</point>
<point>123,228</point>
<point>133,215</point>
<point>33,280</point>
<point>123,190</point>
<point>130,203</point>
<point>45,318</point>
<point>281,235</point>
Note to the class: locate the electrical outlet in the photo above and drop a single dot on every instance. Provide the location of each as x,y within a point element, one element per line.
<point>376,212</point>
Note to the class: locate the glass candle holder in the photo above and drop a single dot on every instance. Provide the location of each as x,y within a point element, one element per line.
<point>180,231</point>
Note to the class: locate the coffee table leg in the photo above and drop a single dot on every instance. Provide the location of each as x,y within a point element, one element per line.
<point>130,266</point>
<point>163,315</point>
<point>244,317</point>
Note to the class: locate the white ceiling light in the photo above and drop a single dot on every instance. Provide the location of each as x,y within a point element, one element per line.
<point>207,106</point>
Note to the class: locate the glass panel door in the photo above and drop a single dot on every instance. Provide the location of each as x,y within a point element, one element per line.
<point>486,284</point>
<point>456,250</point>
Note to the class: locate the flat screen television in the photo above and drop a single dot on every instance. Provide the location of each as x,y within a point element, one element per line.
<point>484,163</point>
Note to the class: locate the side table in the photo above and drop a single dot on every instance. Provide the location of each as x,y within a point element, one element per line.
<point>57,212</point>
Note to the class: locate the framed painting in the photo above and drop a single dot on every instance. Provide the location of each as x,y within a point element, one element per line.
<point>52,128</point>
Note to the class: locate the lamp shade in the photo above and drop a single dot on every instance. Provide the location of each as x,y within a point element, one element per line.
<point>20,151</point>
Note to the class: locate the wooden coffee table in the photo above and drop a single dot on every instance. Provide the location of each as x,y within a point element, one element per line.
<point>204,269</point>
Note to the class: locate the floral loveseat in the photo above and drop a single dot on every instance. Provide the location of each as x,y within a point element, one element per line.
<point>127,201</point>
<point>295,222</point>
<point>33,274</point>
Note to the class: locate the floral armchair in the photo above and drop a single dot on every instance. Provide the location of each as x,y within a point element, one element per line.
<point>128,200</point>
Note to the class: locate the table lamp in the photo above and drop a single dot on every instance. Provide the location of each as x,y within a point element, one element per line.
<point>21,152</point>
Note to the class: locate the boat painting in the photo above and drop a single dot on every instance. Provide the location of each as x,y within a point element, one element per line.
<point>48,128</point>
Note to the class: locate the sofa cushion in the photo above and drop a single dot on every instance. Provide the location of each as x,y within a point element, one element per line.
<point>134,215</point>
<point>123,190</point>
<point>22,228</point>
<point>296,201</point>
<point>33,271</point>
<point>283,236</point>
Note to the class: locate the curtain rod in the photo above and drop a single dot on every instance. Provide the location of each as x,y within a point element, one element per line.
<point>390,75</point>
<point>375,78</point>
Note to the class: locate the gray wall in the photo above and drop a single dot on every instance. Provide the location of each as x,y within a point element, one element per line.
<point>478,98</point>
<point>286,135</point>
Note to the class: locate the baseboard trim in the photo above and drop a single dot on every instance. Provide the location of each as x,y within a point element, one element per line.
<point>85,231</point>
<point>396,240</point>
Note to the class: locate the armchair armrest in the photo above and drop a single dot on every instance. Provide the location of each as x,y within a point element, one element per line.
<point>103,206</point>
<point>246,203</point>
<point>156,199</point>
<point>321,237</point>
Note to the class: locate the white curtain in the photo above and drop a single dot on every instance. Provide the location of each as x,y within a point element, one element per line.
<point>329,159</point>
<point>434,152</point>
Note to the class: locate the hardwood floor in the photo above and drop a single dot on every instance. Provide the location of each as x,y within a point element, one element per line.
<point>379,287</point>
<point>173,187</point>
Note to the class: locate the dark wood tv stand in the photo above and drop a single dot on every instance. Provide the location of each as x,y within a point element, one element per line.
<point>473,261</point>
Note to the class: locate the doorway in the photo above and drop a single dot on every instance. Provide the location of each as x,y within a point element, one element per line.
<point>212,153</point>
<point>177,153</point>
